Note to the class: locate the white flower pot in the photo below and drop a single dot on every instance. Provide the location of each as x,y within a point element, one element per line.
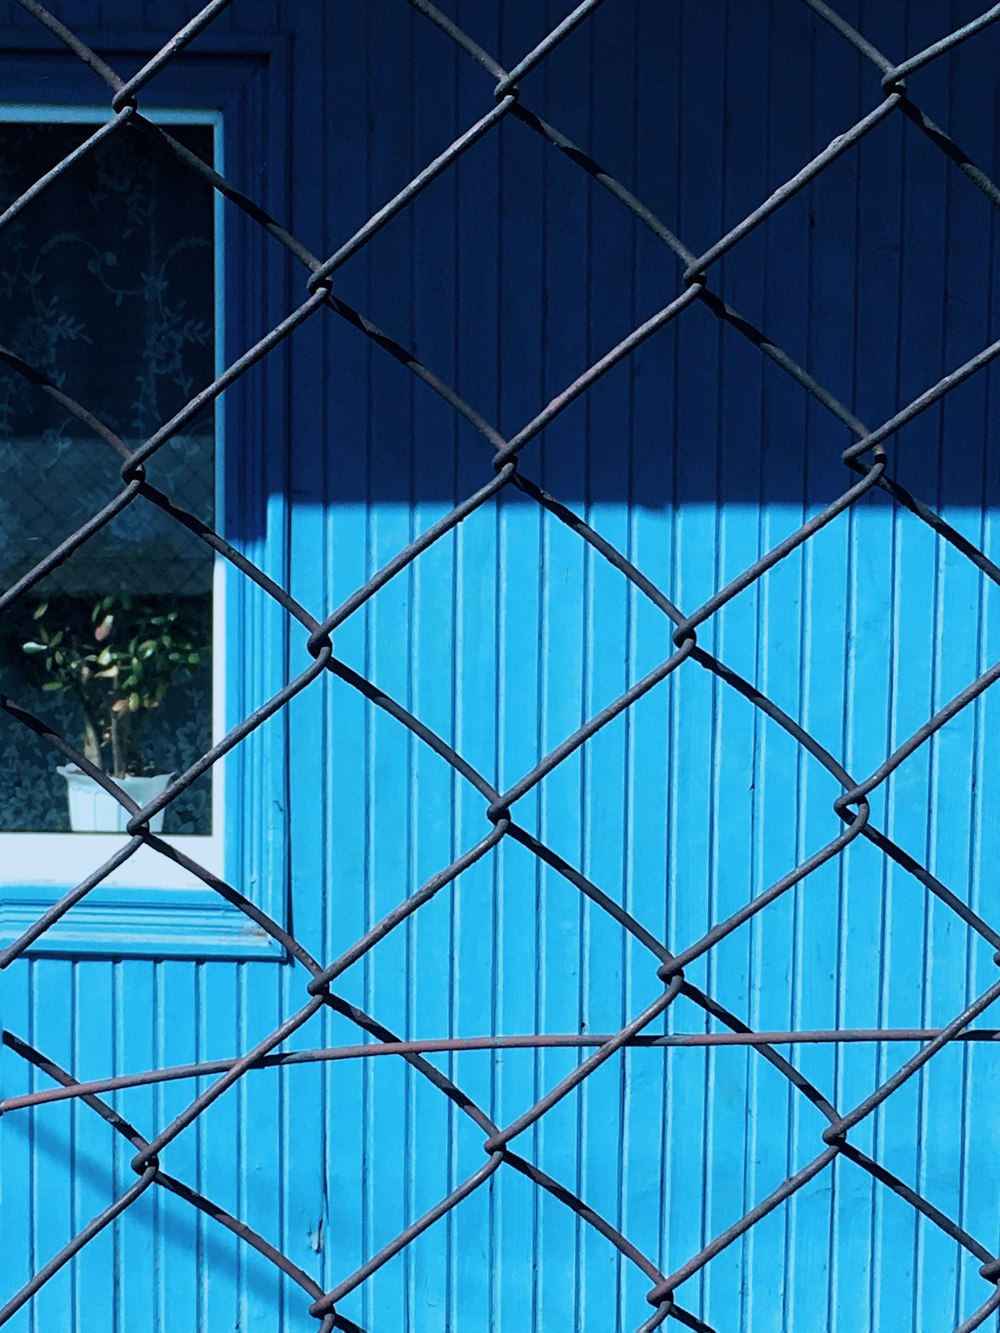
<point>93,810</point>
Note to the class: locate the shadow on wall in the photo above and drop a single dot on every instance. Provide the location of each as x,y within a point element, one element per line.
<point>516,271</point>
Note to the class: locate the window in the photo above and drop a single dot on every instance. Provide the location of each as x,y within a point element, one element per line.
<point>113,284</point>
<point>114,647</point>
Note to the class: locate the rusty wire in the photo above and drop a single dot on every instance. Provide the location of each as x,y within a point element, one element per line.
<point>867,459</point>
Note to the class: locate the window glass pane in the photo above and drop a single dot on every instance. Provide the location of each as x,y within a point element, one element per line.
<point>107,288</point>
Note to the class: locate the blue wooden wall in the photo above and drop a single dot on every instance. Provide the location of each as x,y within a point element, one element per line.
<point>508,277</point>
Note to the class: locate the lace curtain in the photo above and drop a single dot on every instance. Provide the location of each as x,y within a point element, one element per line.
<point>107,288</point>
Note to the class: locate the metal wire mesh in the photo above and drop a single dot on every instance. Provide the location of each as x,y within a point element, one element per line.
<point>868,464</point>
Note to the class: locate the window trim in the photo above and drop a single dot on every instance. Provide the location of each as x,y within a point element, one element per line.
<point>193,921</point>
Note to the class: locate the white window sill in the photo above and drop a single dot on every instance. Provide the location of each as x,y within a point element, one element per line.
<point>62,860</point>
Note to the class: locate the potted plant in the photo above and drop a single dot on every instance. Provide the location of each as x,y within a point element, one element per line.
<point>115,665</point>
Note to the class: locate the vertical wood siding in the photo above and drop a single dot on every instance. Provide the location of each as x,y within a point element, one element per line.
<point>508,277</point>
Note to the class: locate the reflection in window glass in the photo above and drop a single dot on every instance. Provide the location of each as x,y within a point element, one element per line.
<point>106,288</point>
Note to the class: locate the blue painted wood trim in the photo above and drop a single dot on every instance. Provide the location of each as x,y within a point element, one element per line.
<point>137,923</point>
<point>245,86</point>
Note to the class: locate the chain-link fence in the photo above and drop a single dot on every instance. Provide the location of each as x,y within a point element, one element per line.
<point>868,464</point>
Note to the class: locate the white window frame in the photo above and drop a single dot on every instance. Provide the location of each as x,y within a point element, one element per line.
<point>55,859</point>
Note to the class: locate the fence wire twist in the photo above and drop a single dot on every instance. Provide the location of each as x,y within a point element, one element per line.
<point>867,459</point>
